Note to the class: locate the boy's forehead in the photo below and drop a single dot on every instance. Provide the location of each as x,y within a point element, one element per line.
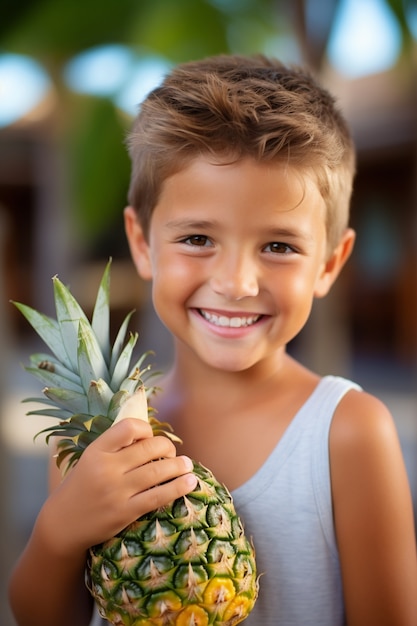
<point>242,173</point>
<point>206,182</point>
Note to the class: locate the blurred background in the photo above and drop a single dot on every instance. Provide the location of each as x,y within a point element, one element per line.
<point>71,77</point>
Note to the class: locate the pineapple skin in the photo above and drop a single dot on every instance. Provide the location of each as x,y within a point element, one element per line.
<point>187,564</point>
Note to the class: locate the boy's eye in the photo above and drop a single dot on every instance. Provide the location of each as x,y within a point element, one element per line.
<point>197,240</point>
<point>277,247</point>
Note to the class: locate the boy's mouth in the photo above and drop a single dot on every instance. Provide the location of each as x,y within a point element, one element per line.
<point>236,321</point>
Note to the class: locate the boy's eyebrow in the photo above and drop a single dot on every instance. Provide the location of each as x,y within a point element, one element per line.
<point>180,224</point>
<point>291,233</point>
<point>297,233</point>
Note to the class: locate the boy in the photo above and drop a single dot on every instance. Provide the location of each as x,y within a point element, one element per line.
<point>242,175</point>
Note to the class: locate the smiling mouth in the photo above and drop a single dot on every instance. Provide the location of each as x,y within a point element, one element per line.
<point>229,322</point>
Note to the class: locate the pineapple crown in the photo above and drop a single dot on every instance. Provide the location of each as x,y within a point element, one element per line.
<point>87,380</point>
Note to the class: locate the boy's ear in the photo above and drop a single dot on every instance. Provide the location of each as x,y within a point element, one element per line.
<point>334,264</point>
<point>139,248</point>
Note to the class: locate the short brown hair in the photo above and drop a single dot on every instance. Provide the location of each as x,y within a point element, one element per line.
<point>231,107</point>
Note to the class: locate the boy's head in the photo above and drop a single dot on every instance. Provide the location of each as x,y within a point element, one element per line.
<point>232,107</point>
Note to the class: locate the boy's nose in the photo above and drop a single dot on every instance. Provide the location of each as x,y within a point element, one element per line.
<point>235,279</point>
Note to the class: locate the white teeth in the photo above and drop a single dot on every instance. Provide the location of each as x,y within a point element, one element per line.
<point>231,322</point>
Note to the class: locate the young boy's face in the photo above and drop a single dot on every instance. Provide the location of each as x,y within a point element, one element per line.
<point>236,254</point>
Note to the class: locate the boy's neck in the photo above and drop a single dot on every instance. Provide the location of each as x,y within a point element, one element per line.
<point>194,383</point>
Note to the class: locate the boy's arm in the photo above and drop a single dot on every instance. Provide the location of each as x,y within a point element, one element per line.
<point>46,586</point>
<point>113,484</point>
<point>373,515</point>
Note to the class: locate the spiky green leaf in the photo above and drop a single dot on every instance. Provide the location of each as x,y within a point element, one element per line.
<point>138,377</point>
<point>99,424</point>
<point>69,313</point>
<point>145,373</point>
<point>119,341</point>
<point>58,430</point>
<point>67,453</point>
<point>50,362</point>
<point>163,428</point>
<point>99,396</point>
<point>55,413</point>
<point>101,315</point>
<point>65,399</point>
<point>116,402</point>
<point>130,385</point>
<point>48,330</point>
<point>86,438</point>
<point>45,400</point>
<point>91,363</point>
<point>80,392</point>
<point>53,380</point>
<point>121,369</point>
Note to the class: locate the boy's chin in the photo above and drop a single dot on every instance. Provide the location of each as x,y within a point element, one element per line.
<point>228,363</point>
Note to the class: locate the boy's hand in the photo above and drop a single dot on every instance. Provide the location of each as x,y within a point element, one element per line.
<point>124,474</point>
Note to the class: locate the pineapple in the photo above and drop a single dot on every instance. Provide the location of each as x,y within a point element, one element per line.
<point>186,564</point>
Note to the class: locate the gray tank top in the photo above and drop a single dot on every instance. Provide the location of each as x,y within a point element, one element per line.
<point>286,508</point>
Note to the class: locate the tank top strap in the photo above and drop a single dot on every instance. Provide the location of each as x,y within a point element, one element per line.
<point>331,390</point>
<point>317,412</point>
<point>312,421</point>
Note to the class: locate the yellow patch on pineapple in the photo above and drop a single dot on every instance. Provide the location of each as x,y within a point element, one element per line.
<point>238,610</point>
<point>218,591</point>
<point>192,615</point>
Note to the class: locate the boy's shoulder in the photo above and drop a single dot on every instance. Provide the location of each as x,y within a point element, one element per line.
<point>364,443</point>
<point>360,417</point>
<point>372,507</point>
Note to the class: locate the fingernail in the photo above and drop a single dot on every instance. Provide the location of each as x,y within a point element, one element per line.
<point>189,465</point>
<point>191,480</point>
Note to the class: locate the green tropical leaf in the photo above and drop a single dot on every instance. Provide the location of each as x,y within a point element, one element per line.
<point>65,399</point>
<point>60,414</point>
<point>121,369</point>
<point>116,402</point>
<point>101,315</point>
<point>67,450</point>
<point>61,429</point>
<point>120,341</point>
<point>91,363</point>
<point>99,396</point>
<point>69,313</point>
<point>50,362</point>
<point>85,438</point>
<point>100,424</point>
<point>47,401</point>
<point>51,379</point>
<point>48,330</point>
